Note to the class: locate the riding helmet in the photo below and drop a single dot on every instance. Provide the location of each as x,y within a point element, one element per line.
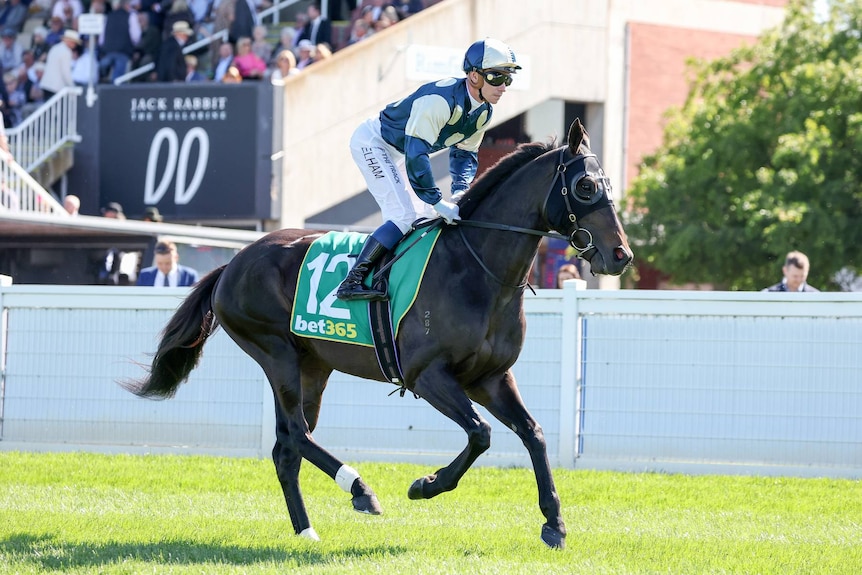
<point>489,54</point>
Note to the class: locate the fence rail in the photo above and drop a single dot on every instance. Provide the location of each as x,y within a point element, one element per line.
<point>672,381</point>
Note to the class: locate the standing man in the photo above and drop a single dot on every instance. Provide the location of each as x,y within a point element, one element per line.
<point>795,272</point>
<point>392,150</point>
<point>318,30</point>
<point>122,34</point>
<point>172,63</point>
<point>58,66</point>
<point>167,272</point>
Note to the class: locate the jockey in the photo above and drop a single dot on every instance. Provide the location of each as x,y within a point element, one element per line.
<point>392,150</point>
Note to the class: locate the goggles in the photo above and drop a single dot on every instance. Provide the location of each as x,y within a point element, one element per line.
<point>497,78</point>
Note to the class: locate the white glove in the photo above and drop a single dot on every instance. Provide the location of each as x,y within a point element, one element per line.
<point>457,197</point>
<point>447,210</point>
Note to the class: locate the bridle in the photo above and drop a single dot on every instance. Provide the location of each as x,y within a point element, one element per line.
<point>600,183</point>
<point>580,239</point>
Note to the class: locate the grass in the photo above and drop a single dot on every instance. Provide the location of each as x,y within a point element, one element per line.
<point>84,513</point>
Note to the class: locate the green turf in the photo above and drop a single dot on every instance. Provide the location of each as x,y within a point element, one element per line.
<point>84,513</point>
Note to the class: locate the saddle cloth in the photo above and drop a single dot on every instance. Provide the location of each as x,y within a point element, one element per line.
<point>317,313</point>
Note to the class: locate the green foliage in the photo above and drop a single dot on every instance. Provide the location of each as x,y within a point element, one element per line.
<point>764,157</point>
<point>77,513</point>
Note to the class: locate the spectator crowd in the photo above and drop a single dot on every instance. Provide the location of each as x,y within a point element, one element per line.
<point>53,55</point>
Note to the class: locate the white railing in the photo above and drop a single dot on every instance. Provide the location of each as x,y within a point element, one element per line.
<point>49,128</point>
<point>20,192</point>
<point>271,12</point>
<point>763,383</point>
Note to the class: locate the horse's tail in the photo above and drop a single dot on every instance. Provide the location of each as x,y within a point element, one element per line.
<point>182,342</point>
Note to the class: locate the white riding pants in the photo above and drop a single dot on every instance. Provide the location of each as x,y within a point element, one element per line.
<point>383,168</point>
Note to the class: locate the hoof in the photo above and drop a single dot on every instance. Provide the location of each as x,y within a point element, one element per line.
<point>425,488</point>
<point>367,504</point>
<point>553,538</point>
<point>415,491</point>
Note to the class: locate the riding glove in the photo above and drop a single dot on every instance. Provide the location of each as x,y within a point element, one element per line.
<point>447,210</point>
<point>456,197</point>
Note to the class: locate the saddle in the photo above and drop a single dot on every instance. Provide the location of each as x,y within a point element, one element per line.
<point>318,314</point>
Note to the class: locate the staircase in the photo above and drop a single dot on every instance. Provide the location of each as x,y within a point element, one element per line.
<point>41,151</point>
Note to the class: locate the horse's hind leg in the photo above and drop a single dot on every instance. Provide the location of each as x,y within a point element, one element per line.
<point>298,393</point>
<point>502,399</point>
<point>287,463</point>
<point>439,388</point>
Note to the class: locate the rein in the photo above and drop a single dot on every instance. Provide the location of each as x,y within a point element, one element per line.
<point>562,166</point>
<point>487,270</point>
<point>560,174</point>
<point>508,228</point>
<point>430,224</point>
<point>564,191</point>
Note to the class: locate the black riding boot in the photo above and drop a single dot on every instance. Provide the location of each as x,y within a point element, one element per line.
<point>353,287</point>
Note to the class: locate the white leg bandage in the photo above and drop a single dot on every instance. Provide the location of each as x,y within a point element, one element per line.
<point>345,477</point>
<point>309,533</point>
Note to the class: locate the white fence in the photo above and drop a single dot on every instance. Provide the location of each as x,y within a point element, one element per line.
<point>669,381</point>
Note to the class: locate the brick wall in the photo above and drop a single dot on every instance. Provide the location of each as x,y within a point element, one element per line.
<point>658,79</point>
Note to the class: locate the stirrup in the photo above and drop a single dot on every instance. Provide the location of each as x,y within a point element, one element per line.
<point>354,289</point>
<point>364,293</point>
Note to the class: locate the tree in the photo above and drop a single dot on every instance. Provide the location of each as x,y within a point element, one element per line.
<point>764,157</point>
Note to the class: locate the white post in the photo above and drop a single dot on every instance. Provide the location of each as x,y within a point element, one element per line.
<point>91,90</point>
<point>5,281</point>
<point>570,374</point>
<point>92,25</point>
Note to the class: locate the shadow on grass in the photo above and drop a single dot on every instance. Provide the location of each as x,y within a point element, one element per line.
<point>53,554</point>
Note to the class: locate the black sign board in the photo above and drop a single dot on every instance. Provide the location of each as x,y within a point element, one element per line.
<point>195,151</point>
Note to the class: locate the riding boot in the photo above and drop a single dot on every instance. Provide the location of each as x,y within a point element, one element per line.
<point>353,286</point>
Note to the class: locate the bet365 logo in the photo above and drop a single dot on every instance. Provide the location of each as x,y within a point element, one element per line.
<point>325,264</point>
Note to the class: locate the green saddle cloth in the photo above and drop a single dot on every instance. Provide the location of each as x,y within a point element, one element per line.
<point>319,314</point>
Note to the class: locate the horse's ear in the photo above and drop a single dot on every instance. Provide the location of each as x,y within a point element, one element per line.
<point>577,136</point>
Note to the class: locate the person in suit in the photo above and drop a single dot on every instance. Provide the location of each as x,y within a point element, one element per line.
<point>244,21</point>
<point>795,272</point>
<point>172,64</point>
<point>224,62</point>
<point>192,74</point>
<point>167,272</point>
<point>318,30</point>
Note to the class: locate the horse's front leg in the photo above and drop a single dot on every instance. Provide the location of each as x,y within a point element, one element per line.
<point>437,386</point>
<point>501,398</point>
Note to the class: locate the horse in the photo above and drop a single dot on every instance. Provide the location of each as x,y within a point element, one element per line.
<point>457,342</point>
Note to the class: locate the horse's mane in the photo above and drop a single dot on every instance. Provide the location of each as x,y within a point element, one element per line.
<point>499,172</point>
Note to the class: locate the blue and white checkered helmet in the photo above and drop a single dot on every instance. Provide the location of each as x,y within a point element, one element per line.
<point>489,54</point>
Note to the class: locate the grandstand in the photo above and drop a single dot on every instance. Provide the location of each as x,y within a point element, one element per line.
<point>284,161</point>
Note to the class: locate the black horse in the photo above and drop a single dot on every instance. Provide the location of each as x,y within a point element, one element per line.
<point>457,342</point>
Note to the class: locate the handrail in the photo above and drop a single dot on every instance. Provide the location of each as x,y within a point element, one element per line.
<point>49,128</point>
<point>19,191</point>
<point>194,47</point>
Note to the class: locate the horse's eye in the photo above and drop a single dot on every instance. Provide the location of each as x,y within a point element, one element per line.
<point>586,188</point>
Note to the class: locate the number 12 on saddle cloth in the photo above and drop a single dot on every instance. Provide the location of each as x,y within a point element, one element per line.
<point>319,314</point>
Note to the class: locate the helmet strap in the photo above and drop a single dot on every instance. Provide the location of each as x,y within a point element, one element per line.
<point>478,85</point>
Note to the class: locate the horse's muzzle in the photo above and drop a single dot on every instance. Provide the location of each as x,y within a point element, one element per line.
<point>612,263</point>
